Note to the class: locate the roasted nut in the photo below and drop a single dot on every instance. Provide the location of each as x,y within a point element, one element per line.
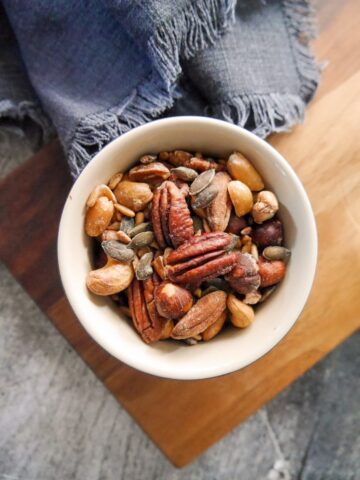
<point>100,191</point>
<point>241,197</point>
<point>236,224</point>
<point>185,159</point>
<point>114,277</point>
<point>114,226</point>
<point>202,182</point>
<point>241,169</point>
<point>133,195</point>
<point>254,251</point>
<point>139,218</point>
<point>146,159</point>
<point>115,180</point>
<point>215,328</point>
<point>150,325</point>
<point>158,265</point>
<point>172,301</point>
<point>204,313</point>
<point>118,251</point>
<point>265,207</point>
<point>152,172</point>
<point>124,210</point>
<point>241,315</point>
<point>167,329</point>
<point>218,212</point>
<point>115,235</point>
<point>206,226</point>
<point>271,272</point>
<point>202,258</point>
<point>276,253</point>
<point>170,216</point>
<point>184,173</point>
<point>266,293</point>
<point>144,269</point>
<point>252,297</point>
<point>98,217</point>
<point>244,278</point>
<point>269,233</point>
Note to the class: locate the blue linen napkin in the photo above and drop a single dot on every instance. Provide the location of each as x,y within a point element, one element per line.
<point>93,69</point>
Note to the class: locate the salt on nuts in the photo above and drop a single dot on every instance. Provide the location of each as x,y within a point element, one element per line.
<point>265,207</point>
<point>276,253</point>
<point>124,210</point>
<point>133,195</point>
<point>100,191</point>
<point>241,197</point>
<point>241,169</point>
<point>98,217</point>
<point>241,315</point>
<point>252,297</point>
<point>215,328</point>
<point>114,277</point>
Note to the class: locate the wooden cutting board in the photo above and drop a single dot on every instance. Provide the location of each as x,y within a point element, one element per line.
<point>185,418</point>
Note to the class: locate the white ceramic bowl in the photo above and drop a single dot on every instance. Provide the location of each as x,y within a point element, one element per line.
<point>235,348</point>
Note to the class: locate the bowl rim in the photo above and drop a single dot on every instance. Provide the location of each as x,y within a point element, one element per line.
<point>165,371</point>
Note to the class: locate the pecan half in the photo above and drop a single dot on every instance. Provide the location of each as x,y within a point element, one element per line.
<point>180,158</point>
<point>218,212</point>
<point>244,278</point>
<point>201,258</point>
<point>204,313</point>
<point>171,217</point>
<point>150,325</point>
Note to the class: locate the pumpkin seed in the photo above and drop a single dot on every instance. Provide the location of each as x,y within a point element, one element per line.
<point>142,227</point>
<point>146,159</point>
<point>144,269</point>
<point>127,224</point>
<point>266,293</point>
<point>276,253</point>
<point>117,251</point>
<point>190,341</point>
<point>141,240</point>
<point>205,197</point>
<point>202,181</point>
<point>184,173</point>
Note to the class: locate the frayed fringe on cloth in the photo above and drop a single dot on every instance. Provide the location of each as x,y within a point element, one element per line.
<point>199,27</point>
<point>275,112</point>
<point>194,29</point>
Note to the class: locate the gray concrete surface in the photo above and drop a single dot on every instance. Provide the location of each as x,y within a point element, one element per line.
<point>57,421</point>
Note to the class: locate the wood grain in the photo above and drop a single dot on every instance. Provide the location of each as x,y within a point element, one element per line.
<point>185,418</point>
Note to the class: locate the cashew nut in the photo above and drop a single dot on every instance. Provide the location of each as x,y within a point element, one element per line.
<point>114,277</point>
<point>241,315</point>
<point>100,191</point>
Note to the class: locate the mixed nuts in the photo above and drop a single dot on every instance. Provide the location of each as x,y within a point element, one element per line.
<point>186,244</point>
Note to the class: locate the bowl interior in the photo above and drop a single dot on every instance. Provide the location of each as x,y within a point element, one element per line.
<point>234,348</point>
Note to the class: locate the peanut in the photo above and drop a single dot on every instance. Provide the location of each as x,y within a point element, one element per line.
<point>241,197</point>
<point>241,315</point>
<point>241,169</point>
